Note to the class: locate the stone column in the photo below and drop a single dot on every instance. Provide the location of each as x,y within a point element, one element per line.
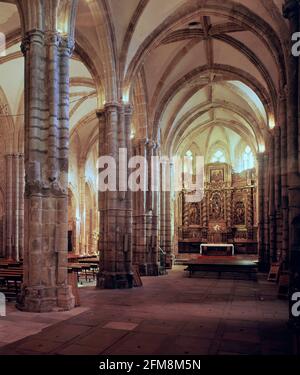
<point>284,181</point>
<point>9,206</point>
<point>154,188</point>
<point>266,211</point>
<point>145,232</point>
<point>277,191</point>
<point>15,212</point>
<point>82,209</point>
<point>101,196</point>
<point>140,216</point>
<point>21,206</point>
<point>165,212</point>
<point>115,206</point>
<point>14,226</point>
<point>45,284</point>
<point>271,196</point>
<point>261,209</point>
<point>291,11</point>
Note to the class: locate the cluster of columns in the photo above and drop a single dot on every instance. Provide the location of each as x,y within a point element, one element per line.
<point>291,155</point>
<point>146,245</point>
<point>115,207</point>
<point>87,223</point>
<point>13,220</point>
<point>45,282</point>
<point>279,172</point>
<point>135,226</point>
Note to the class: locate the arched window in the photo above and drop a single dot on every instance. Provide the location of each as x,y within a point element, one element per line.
<point>218,157</point>
<point>247,159</point>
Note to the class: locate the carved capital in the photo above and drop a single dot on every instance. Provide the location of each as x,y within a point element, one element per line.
<point>37,187</point>
<point>101,114</point>
<point>32,37</point>
<point>52,39</point>
<point>67,45</point>
<point>112,107</point>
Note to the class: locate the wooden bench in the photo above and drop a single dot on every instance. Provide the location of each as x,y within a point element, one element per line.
<point>223,265</point>
<point>11,281</point>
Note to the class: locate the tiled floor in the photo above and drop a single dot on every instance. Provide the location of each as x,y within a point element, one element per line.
<point>171,314</point>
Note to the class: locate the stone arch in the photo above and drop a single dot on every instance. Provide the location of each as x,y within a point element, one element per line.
<point>230,73</point>
<point>236,12</point>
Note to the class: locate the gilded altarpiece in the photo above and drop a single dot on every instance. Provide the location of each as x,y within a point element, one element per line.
<point>226,214</point>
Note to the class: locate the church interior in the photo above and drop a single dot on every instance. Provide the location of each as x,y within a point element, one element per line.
<point>86,271</point>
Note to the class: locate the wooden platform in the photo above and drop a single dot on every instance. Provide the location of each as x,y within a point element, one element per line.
<point>222,264</point>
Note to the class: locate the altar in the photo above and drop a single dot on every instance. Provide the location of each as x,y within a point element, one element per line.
<point>224,222</point>
<point>217,245</point>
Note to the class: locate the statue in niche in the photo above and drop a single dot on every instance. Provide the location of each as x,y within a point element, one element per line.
<point>216,206</point>
<point>239,213</point>
<point>194,214</point>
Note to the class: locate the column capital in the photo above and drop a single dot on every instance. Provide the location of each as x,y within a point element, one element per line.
<point>128,108</point>
<point>67,45</point>
<point>112,107</point>
<point>32,36</point>
<point>100,113</point>
<point>52,38</point>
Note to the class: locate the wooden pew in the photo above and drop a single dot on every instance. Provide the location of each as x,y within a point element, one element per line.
<point>11,281</point>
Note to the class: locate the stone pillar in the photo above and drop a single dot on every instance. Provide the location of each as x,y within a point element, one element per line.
<point>266,211</point>
<point>21,206</point>
<point>284,180</point>
<point>145,230</point>
<point>261,214</point>
<point>115,206</point>
<point>45,284</point>
<point>9,206</point>
<point>291,11</point>
<point>15,213</point>
<point>140,216</point>
<point>165,212</point>
<point>14,218</point>
<point>272,207</point>
<point>154,199</point>
<point>277,191</point>
<point>82,210</point>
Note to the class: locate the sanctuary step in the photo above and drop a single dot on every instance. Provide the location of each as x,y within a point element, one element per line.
<point>221,265</point>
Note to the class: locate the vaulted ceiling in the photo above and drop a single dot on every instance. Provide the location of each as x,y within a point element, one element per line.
<point>197,64</point>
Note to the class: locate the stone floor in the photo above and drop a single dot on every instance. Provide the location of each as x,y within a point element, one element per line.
<point>171,314</point>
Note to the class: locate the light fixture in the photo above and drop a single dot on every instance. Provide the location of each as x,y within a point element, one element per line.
<point>261,148</point>
<point>271,121</point>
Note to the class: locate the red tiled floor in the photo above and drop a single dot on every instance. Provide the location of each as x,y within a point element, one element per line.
<point>171,314</point>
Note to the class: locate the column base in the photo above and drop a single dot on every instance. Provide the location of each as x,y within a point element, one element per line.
<point>43,299</point>
<point>111,280</point>
<point>149,269</point>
